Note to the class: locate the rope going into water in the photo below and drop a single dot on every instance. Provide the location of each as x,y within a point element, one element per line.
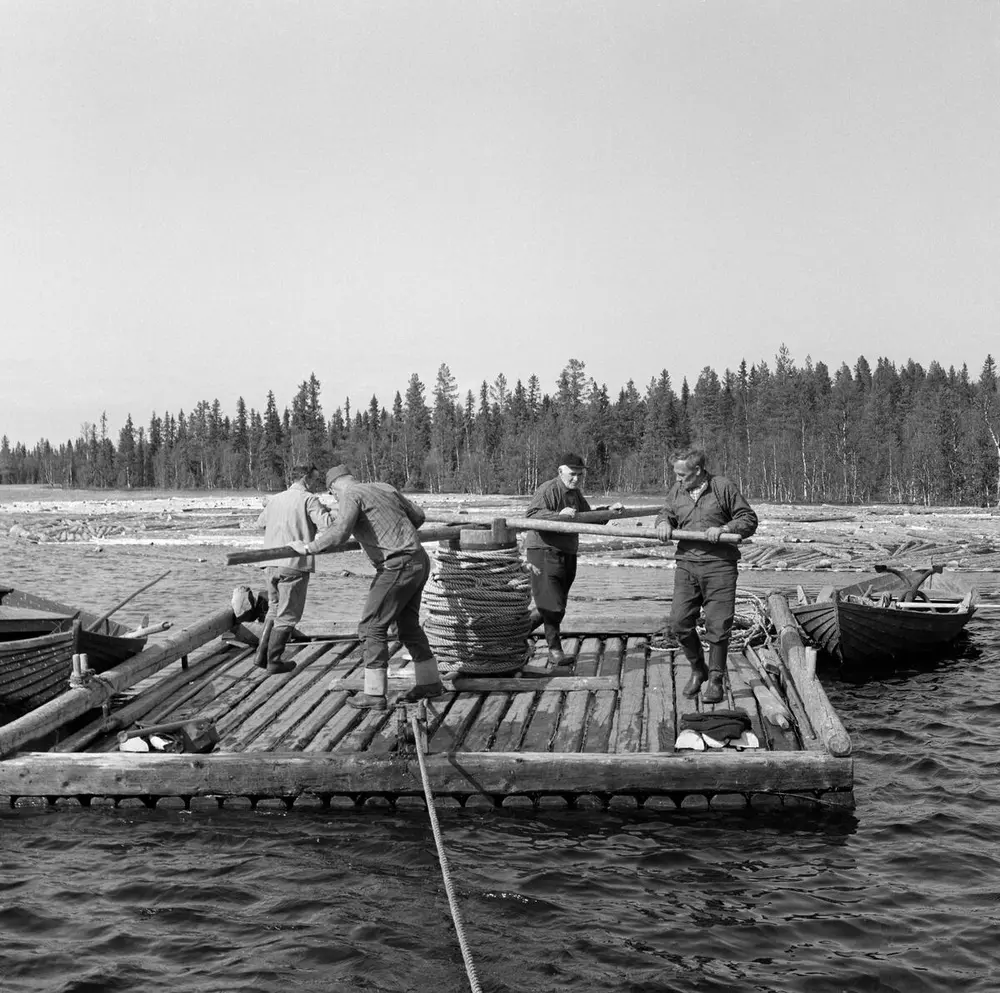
<point>476,611</point>
<point>456,916</point>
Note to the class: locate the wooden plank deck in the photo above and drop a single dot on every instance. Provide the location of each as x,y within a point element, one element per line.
<point>605,726</point>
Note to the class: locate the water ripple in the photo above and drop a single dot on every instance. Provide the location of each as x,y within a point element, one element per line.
<point>902,895</point>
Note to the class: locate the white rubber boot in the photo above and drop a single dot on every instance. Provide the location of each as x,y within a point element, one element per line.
<point>373,698</point>
<point>428,682</point>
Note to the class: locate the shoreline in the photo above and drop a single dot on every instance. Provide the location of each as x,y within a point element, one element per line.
<point>791,537</point>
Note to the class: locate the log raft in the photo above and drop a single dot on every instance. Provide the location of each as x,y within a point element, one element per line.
<point>601,729</point>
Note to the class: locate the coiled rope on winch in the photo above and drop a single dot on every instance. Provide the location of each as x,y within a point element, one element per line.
<point>476,607</point>
<point>456,916</point>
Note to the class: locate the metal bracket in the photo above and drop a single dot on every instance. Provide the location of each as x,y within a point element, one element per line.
<point>406,745</point>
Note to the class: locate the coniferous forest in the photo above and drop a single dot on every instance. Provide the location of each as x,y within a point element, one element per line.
<point>787,433</point>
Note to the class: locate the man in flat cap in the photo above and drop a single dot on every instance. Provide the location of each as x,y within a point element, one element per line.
<point>385,523</point>
<point>296,514</point>
<point>551,555</point>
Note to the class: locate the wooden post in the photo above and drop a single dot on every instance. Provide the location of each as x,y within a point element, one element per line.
<point>497,537</point>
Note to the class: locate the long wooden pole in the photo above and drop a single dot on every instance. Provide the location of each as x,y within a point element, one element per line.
<point>584,517</point>
<point>513,523</point>
<point>569,527</point>
<point>287,552</point>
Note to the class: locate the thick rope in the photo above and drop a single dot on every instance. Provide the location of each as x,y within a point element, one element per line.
<point>456,916</point>
<point>476,611</point>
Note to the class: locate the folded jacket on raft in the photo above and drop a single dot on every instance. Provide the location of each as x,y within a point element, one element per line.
<point>719,724</point>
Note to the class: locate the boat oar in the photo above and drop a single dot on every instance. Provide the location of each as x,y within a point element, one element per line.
<point>118,606</point>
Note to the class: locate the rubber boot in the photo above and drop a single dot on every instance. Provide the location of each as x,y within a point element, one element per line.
<point>373,698</point>
<point>275,649</point>
<point>535,620</point>
<point>428,683</point>
<point>261,657</point>
<point>714,689</point>
<point>699,673</point>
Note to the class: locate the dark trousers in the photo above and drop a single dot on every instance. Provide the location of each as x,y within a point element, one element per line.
<point>552,575</point>
<point>708,586</point>
<point>394,596</point>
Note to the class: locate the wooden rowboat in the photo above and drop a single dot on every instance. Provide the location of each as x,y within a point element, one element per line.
<point>38,639</point>
<point>891,616</point>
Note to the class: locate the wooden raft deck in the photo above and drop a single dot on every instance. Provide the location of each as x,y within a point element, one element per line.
<point>606,729</point>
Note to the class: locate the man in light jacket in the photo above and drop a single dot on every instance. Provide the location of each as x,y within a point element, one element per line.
<point>293,515</point>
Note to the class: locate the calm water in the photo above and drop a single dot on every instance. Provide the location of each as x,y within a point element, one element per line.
<point>902,895</point>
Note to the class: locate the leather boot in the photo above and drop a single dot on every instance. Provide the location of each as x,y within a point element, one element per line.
<point>373,697</point>
<point>698,675</point>
<point>261,657</point>
<point>275,649</point>
<point>714,689</point>
<point>428,683</point>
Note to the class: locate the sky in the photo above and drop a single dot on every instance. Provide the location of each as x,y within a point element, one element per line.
<point>209,201</point>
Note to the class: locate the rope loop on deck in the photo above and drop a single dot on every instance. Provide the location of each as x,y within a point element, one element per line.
<point>751,625</point>
<point>456,916</point>
<point>476,611</point>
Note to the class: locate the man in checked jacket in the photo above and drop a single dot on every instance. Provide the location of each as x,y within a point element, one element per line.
<point>385,523</point>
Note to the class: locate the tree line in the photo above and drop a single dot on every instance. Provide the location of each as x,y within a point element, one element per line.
<point>787,433</point>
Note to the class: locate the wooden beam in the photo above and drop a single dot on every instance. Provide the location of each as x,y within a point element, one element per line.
<point>287,552</point>
<point>120,774</point>
<point>488,684</point>
<point>821,714</point>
